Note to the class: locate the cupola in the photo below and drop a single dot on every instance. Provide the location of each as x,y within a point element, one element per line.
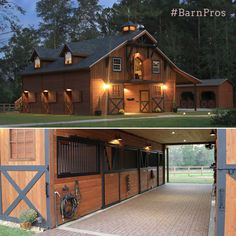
<point>129,27</point>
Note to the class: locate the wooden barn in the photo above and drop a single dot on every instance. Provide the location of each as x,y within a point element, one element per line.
<point>94,169</point>
<point>125,72</point>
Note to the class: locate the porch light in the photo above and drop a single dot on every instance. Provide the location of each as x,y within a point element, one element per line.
<point>45,91</point>
<point>164,87</point>
<point>106,86</point>
<point>26,91</point>
<point>213,133</point>
<point>68,90</point>
<point>148,147</point>
<point>116,141</point>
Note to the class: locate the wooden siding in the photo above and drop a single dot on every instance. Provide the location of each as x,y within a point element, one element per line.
<point>57,83</point>
<point>134,184</point>
<point>111,188</point>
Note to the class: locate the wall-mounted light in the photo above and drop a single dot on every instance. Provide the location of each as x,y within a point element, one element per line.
<point>164,87</point>
<point>185,140</point>
<point>116,141</point>
<point>173,132</point>
<point>26,91</point>
<point>68,90</point>
<point>213,133</point>
<point>45,91</point>
<point>106,86</point>
<point>148,147</point>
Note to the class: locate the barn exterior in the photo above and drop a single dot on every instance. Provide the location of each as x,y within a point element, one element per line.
<point>40,168</point>
<point>123,72</point>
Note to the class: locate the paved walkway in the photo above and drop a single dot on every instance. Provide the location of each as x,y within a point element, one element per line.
<point>99,120</point>
<point>170,210</point>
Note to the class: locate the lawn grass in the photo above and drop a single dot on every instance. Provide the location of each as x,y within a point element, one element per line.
<point>142,122</point>
<point>192,178</point>
<point>7,231</point>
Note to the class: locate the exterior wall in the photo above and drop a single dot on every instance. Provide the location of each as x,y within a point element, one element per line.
<point>226,97</point>
<point>58,83</point>
<point>36,194</point>
<point>223,94</point>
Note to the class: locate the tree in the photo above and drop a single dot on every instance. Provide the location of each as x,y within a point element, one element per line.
<point>56,21</point>
<point>16,57</point>
<point>85,20</point>
<point>8,18</point>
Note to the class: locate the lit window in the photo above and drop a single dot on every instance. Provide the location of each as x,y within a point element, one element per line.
<point>116,90</point>
<point>116,64</point>
<point>158,92</point>
<point>156,67</point>
<point>138,68</point>
<point>68,58</point>
<point>37,63</point>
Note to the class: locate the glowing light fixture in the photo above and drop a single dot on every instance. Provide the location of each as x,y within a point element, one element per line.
<point>116,141</point>
<point>185,140</point>
<point>209,113</point>
<point>213,133</point>
<point>26,91</point>
<point>164,87</point>
<point>45,91</point>
<point>173,132</point>
<point>106,86</point>
<point>68,90</point>
<point>148,147</point>
<point>184,113</point>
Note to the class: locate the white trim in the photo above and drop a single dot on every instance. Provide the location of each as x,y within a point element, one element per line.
<point>116,64</point>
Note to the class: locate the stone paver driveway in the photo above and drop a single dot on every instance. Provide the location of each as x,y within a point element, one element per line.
<point>170,210</point>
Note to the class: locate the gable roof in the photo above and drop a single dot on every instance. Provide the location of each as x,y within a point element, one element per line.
<point>96,49</point>
<point>45,53</point>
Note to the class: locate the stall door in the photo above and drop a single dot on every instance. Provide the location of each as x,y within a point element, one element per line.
<point>68,102</point>
<point>226,183</point>
<point>144,101</point>
<point>45,102</point>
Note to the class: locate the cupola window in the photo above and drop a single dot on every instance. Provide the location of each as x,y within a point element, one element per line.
<point>37,63</point>
<point>68,58</point>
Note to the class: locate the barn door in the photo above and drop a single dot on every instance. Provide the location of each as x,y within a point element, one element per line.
<point>144,101</point>
<point>22,192</point>
<point>68,103</point>
<point>226,182</point>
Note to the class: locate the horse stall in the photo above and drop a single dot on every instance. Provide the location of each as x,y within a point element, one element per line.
<point>66,173</point>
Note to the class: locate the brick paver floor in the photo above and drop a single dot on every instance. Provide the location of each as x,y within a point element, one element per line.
<point>170,210</point>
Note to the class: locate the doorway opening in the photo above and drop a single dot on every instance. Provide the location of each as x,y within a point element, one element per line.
<point>191,164</point>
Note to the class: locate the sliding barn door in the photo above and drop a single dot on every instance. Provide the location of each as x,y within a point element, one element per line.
<point>226,183</point>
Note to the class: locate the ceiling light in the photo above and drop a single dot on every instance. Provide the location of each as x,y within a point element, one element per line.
<point>213,133</point>
<point>173,132</point>
<point>185,140</point>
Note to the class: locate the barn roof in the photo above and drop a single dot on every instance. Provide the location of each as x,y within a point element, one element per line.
<point>206,82</point>
<point>93,51</point>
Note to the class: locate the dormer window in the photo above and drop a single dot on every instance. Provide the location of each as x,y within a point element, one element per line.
<point>68,58</point>
<point>37,63</point>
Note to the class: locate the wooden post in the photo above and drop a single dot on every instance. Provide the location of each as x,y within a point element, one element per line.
<point>195,97</point>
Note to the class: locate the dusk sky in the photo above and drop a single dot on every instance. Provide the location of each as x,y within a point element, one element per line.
<point>30,17</point>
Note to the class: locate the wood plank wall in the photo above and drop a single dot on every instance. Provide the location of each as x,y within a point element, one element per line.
<point>91,186</point>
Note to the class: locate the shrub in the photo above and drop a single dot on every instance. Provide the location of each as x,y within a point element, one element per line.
<point>28,215</point>
<point>224,118</point>
<point>158,110</point>
<point>122,111</point>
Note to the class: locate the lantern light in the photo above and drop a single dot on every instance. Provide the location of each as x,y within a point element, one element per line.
<point>106,86</point>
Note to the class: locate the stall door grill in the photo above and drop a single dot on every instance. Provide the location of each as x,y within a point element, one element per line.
<point>76,156</point>
<point>226,183</point>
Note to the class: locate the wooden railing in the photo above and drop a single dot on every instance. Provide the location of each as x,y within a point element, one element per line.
<point>189,170</point>
<point>7,107</point>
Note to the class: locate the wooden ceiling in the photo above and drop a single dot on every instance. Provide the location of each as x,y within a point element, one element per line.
<point>175,136</point>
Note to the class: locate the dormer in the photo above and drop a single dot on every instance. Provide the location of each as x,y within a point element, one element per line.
<point>68,58</point>
<point>37,63</point>
<point>71,53</point>
<point>41,57</point>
